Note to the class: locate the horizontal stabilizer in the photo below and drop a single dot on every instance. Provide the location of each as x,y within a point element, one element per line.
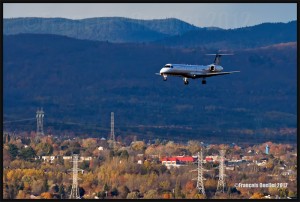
<point>218,57</point>
<point>219,54</point>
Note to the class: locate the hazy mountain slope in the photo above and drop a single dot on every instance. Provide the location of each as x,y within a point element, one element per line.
<point>113,29</point>
<point>83,81</point>
<point>246,37</point>
<point>167,32</point>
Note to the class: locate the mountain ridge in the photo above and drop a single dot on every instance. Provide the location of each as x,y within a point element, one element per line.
<point>167,32</point>
<point>113,29</point>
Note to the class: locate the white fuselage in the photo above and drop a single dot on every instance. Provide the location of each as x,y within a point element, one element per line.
<point>189,71</point>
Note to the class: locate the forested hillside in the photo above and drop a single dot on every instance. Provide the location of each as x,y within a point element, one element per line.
<point>113,29</point>
<point>83,81</point>
<point>167,32</point>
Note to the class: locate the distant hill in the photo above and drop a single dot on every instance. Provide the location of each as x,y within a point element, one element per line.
<point>166,32</point>
<point>112,29</point>
<point>83,81</point>
<point>246,37</point>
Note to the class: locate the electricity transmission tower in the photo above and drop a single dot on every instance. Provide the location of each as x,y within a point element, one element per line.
<point>39,122</point>
<point>200,184</point>
<point>75,189</point>
<point>112,131</point>
<point>221,182</point>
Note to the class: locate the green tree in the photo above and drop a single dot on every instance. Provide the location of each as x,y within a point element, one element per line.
<point>54,189</point>
<point>13,150</point>
<point>283,192</point>
<point>132,195</point>
<point>5,191</point>
<point>124,191</point>
<point>111,154</point>
<point>106,187</point>
<point>114,192</point>
<point>178,189</point>
<point>44,149</point>
<point>157,142</point>
<point>36,187</point>
<point>27,153</point>
<point>61,191</point>
<point>101,194</point>
<point>74,147</point>
<point>151,194</point>
<point>194,146</point>
<point>45,186</point>
<point>81,192</point>
<point>6,138</point>
<point>124,154</point>
<point>292,194</point>
<point>138,146</point>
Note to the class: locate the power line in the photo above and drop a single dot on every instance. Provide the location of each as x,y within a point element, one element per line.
<point>20,120</point>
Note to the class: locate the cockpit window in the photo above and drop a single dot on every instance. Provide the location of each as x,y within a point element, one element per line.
<point>168,66</point>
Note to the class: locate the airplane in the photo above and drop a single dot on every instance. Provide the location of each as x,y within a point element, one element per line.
<point>194,71</point>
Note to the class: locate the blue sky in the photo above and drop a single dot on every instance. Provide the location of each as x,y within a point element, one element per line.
<point>224,15</point>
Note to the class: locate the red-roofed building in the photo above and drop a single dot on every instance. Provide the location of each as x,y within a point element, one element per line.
<point>186,159</point>
<point>177,161</point>
<point>209,159</point>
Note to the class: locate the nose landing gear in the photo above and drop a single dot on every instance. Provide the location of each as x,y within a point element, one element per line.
<point>164,77</point>
<point>186,81</point>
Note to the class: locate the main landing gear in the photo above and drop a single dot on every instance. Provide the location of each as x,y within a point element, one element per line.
<point>186,81</point>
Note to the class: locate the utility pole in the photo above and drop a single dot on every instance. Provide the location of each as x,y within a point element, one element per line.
<point>75,189</point>
<point>39,123</point>
<point>112,131</point>
<point>221,182</point>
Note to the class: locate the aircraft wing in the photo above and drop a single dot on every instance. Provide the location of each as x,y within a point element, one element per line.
<point>210,74</point>
<point>157,74</point>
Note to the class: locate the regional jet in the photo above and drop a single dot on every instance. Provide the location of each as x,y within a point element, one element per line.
<point>194,71</point>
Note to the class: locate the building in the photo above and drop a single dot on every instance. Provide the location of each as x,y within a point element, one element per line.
<point>48,158</point>
<point>177,161</point>
<point>67,157</point>
<point>211,158</point>
<point>186,159</point>
<point>248,158</point>
<point>82,158</point>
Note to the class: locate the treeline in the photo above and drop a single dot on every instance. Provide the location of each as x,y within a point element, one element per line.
<point>129,171</point>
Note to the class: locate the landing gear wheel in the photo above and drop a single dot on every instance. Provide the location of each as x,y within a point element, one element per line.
<point>186,82</point>
<point>203,81</point>
<point>164,78</point>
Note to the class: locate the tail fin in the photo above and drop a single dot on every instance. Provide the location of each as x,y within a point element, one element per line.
<point>217,60</point>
